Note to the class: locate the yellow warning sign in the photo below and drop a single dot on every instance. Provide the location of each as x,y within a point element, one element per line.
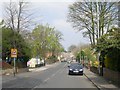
<point>13,52</point>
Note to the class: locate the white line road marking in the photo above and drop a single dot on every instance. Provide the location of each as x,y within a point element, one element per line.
<point>43,82</point>
<point>46,79</point>
<point>60,70</point>
<point>53,75</point>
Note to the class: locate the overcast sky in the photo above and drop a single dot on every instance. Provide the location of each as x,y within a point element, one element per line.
<point>55,14</point>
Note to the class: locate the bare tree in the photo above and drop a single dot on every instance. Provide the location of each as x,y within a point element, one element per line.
<point>95,18</point>
<point>17,16</point>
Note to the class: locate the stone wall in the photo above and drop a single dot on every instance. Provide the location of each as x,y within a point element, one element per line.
<point>22,70</point>
<point>7,71</point>
<point>10,71</point>
<point>94,69</point>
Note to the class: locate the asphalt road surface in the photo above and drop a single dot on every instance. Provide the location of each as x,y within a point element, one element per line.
<point>53,77</point>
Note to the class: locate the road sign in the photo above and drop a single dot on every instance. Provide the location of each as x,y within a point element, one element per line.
<point>13,52</point>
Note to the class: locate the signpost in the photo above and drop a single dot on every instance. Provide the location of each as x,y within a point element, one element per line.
<point>14,55</point>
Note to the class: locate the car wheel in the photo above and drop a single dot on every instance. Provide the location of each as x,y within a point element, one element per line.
<point>69,73</point>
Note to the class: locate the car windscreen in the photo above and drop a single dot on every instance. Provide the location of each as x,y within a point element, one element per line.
<point>76,66</point>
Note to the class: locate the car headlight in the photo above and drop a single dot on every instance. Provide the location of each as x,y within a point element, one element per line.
<point>70,69</point>
<point>81,70</point>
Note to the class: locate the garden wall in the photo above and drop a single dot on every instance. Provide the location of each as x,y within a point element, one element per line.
<point>112,75</point>
<point>10,71</point>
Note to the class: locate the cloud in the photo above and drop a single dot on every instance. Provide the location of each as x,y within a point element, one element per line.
<point>61,24</point>
<point>54,8</point>
<point>54,13</point>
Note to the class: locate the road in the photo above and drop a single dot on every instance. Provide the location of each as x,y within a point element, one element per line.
<point>53,77</point>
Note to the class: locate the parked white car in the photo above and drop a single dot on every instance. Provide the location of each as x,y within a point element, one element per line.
<point>35,62</point>
<point>32,62</point>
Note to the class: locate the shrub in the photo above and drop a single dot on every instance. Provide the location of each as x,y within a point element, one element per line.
<point>95,63</point>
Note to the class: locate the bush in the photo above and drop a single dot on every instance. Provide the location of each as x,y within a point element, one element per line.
<point>95,64</point>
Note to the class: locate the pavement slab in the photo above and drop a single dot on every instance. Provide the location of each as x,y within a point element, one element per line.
<point>99,81</point>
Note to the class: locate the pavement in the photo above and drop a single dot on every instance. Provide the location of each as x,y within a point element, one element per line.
<point>99,81</point>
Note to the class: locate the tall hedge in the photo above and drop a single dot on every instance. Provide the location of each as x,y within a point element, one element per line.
<point>112,60</point>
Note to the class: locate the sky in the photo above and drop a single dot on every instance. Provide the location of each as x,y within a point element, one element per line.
<point>55,14</point>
